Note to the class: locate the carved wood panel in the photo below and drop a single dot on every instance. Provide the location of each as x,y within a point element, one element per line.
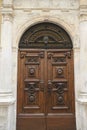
<point>46,89</point>
<point>32,81</point>
<point>59,76</point>
<point>60,85</point>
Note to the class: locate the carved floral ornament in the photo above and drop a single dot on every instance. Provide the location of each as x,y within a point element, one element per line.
<point>7,17</point>
<point>83,12</point>
<point>7,14</point>
<point>45,35</point>
<point>83,17</point>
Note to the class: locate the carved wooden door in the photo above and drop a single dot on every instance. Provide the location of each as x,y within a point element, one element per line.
<point>60,91</point>
<point>45,80</point>
<point>46,95</point>
<point>31,96</point>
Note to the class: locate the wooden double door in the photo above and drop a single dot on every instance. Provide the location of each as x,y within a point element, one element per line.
<point>45,90</point>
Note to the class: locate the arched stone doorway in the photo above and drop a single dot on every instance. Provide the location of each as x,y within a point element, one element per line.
<point>45,79</point>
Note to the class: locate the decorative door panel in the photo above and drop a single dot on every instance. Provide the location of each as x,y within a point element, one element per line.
<point>32,82</point>
<point>46,89</point>
<point>60,82</point>
<point>60,94</point>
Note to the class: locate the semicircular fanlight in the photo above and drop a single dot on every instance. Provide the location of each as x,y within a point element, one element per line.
<point>45,36</point>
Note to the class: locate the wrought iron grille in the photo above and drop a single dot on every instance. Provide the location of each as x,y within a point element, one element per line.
<point>45,36</point>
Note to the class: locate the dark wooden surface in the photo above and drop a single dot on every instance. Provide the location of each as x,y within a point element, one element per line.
<point>45,90</point>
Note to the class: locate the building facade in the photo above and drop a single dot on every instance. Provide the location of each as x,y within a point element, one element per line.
<point>16,17</point>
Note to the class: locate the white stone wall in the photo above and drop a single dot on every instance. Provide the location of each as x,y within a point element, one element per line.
<point>18,15</point>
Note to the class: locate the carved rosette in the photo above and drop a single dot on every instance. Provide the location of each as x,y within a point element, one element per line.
<point>32,92</point>
<point>60,72</point>
<point>58,88</point>
<point>7,13</point>
<point>60,92</point>
<point>60,99</point>
<point>31,71</point>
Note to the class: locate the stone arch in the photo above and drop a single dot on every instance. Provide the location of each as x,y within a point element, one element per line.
<point>35,20</point>
<point>39,34</point>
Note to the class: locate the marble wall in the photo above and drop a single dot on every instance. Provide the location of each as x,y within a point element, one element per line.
<point>17,16</point>
<point>0,21</point>
<point>46,4</point>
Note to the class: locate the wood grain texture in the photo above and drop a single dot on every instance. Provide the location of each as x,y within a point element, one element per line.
<point>45,90</point>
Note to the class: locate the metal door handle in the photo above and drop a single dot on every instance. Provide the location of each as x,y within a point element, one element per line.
<point>49,85</point>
